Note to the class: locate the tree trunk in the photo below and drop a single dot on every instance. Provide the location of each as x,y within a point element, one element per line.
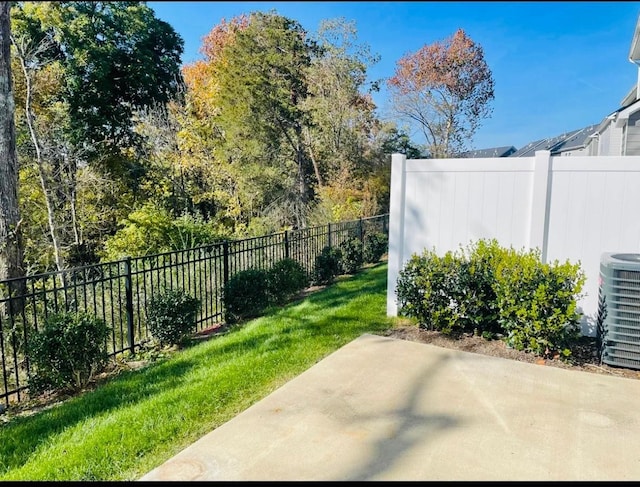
<point>45,171</point>
<point>316,168</point>
<point>11,265</point>
<point>304,187</point>
<point>10,239</point>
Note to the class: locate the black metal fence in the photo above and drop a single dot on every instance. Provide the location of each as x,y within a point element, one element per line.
<point>119,292</point>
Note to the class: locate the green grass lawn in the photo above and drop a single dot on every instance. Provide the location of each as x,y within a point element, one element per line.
<point>140,419</point>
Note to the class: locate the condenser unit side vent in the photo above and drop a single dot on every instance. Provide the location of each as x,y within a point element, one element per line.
<point>619,313</point>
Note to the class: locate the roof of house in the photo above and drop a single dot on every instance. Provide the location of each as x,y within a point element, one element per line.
<point>576,139</point>
<point>630,97</point>
<point>493,152</point>
<point>634,57</point>
<point>634,51</point>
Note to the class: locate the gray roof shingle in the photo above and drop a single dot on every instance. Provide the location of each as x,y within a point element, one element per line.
<point>575,139</point>
<point>504,151</point>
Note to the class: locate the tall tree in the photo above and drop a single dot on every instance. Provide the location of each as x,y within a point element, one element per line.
<point>10,245</point>
<point>343,118</point>
<point>118,57</point>
<point>54,155</point>
<point>445,88</point>
<point>86,67</point>
<point>281,136</point>
<point>262,87</point>
<point>341,108</point>
<point>220,181</point>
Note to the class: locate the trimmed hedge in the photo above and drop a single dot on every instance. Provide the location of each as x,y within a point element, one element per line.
<point>351,257</point>
<point>490,290</point>
<point>327,266</point>
<point>246,294</point>
<point>375,246</point>
<point>171,316</point>
<point>67,352</point>
<point>285,279</point>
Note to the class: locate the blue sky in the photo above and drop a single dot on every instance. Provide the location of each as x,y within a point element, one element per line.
<point>557,66</point>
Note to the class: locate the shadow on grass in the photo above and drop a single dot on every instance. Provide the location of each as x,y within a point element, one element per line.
<point>329,316</point>
<point>366,282</point>
<point>22,436</point>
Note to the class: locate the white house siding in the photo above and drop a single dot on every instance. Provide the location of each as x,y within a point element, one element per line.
<point>633,135</point>
<point>583,151</point>
<point>604,141</point>
<point>572,208</point>
<point>617,135</point>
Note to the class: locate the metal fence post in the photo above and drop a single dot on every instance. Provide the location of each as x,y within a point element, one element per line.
<point>225,262</point>
<point>57,292</point>
<point>361,230</point>
<point>286,244</point>
<point>128,288</point>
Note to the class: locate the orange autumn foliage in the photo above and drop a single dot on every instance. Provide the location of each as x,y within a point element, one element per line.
<point>455,64</point>
<point>200,76</point>
<point>446,88</point>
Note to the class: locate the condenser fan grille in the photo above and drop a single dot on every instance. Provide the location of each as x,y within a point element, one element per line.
<point>630,277</point>
<point>620,296</point>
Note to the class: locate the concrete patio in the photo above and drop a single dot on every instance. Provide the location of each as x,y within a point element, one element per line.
<point>387,409</point>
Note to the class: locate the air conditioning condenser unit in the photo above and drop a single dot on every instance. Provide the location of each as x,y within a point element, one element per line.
<point>619,309</point>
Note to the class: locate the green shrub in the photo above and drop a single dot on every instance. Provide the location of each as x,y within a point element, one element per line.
<point>152,230</point>
<point>67,352</point>
<point>413,288</point>
<point>189,231</point>
<point>351,255</point>
<point>327,265</point>
<point>476,278</point>
<point>286,278</point>
<point>489,290</point>
<point>246,294</point>
<point>374,247</point>
<point>424,291</point>
<point>538,303</point>
<point>171,316</point>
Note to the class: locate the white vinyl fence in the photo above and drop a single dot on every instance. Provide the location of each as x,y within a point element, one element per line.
<point>573,208</point>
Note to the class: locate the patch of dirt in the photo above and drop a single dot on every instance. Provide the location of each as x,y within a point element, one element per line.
<point>584,356</point>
